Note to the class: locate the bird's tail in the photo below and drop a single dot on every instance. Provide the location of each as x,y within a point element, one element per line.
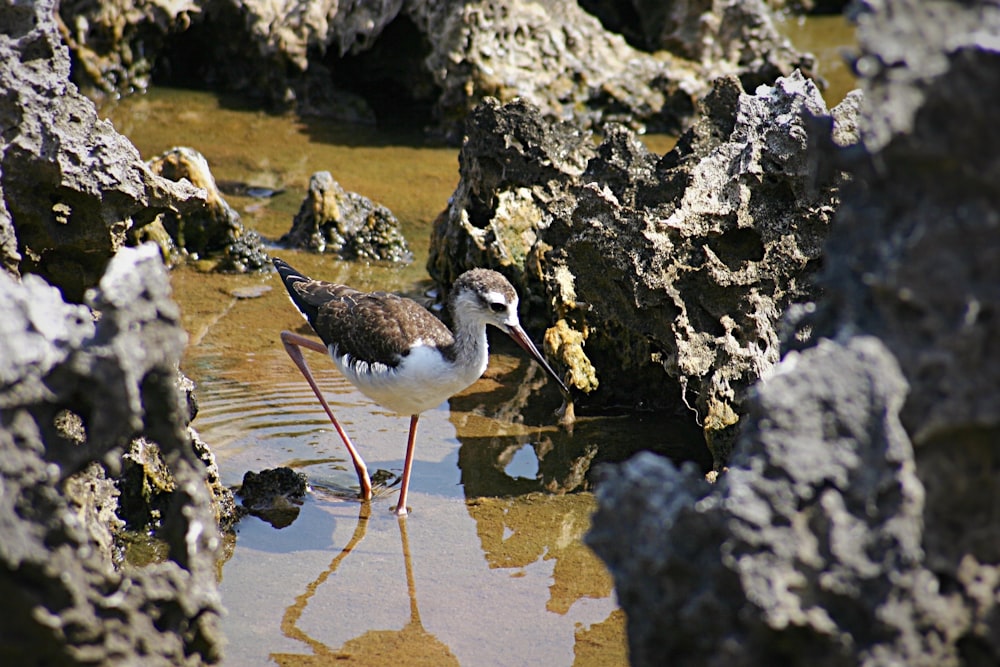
<point>289,277</point>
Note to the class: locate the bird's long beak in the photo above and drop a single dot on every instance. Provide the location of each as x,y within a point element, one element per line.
<point>521,338</point>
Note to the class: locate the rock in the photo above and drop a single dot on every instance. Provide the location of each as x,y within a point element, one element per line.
<point>9,256</point>
<point>808,551</point>
<point>274,495</point>
<point>214,231</point>
<point>662,280</point>
<point>856,523</point>
<point>115,42</point>
<point>77,385</point>
<point>351,225</point>
<point>554,56</point>
<point>443,56</point>
<point>727,37</point>
<point>72,186</point>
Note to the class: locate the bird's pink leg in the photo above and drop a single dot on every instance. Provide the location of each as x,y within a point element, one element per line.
<point>292,343</point>
<point>404,486</point>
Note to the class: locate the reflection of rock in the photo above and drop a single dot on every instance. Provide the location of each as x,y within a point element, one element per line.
<point>509,416</point>
<point>214,232</point>
<point>516,532</point>
<point>601,643</point>
<point>78,384</point>
<point>662,279</point>
<point>274,495</point>
<point>351,225</point>
<point>857,523</point>
<point>72,187</point>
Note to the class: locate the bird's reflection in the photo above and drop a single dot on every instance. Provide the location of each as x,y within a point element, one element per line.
<point>412,645</point>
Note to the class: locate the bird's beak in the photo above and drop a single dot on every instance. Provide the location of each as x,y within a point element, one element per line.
<point>521,338</point>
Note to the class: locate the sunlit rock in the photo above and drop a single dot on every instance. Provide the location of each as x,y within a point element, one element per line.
<point>662,280</point>
<point>348,224</point>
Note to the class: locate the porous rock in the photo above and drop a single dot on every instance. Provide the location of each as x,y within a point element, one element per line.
<point>115,42</point>
<point>73,187</point>
<point>212,231</point>
<point>857,520</point>
<point>77,385</point>
<point>274,495</point>
<point>662,279</point>
<point>808,550</point>
<point>555,56</point>
<point>728,37</point>
<point>445,56</point>
<point>331,219</point>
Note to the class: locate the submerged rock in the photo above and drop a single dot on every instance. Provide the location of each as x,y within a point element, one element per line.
<point>662,280</point>
<point>77,385</point>
<point>351,225</point>
<point>214,231</point>
<point>856,523</point>
<point>274,495</point>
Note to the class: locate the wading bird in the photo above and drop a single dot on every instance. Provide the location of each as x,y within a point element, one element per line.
<point>397,352</point>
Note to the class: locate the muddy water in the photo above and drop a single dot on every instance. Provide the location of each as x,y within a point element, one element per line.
<point>489,568</point>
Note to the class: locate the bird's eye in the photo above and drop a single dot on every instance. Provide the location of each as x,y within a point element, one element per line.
<point>498,307</point>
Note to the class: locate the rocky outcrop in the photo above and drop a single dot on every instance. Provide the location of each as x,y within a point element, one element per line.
<point>213,231</point>
<point>72,186</point>
<point>804,550</point>
<point>115,42</point>
<point>77,384</point>
<point>331,219</point>
<point>447,56</point>
<point>855,525</point>
<point>727,37</point>
<point>554,56</point>
<point>665,277</point>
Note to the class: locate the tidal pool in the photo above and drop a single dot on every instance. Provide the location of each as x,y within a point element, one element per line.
<point>489,568</point>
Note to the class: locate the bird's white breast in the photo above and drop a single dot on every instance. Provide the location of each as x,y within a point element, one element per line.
<point>423,380</point>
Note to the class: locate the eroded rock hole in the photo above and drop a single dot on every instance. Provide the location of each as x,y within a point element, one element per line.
<point>737,247</point>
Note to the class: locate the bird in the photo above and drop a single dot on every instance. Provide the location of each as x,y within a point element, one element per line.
<point>398,353</point>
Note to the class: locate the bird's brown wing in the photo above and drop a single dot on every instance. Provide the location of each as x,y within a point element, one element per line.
<point>377,326</point>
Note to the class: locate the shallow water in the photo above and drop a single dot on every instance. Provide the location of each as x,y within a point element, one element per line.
<point>489,568</point>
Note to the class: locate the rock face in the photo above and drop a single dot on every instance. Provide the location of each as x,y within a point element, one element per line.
<point>114,42</point>
<point>447,56</point>
<point>73,185</point>
<point>855,525</point>
<point>664,272</point>
<point>74,391</point>
<point>554,56</point>
<point>351,225</point>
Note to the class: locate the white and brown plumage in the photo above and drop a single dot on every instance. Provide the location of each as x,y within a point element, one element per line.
<point>398,353</point>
